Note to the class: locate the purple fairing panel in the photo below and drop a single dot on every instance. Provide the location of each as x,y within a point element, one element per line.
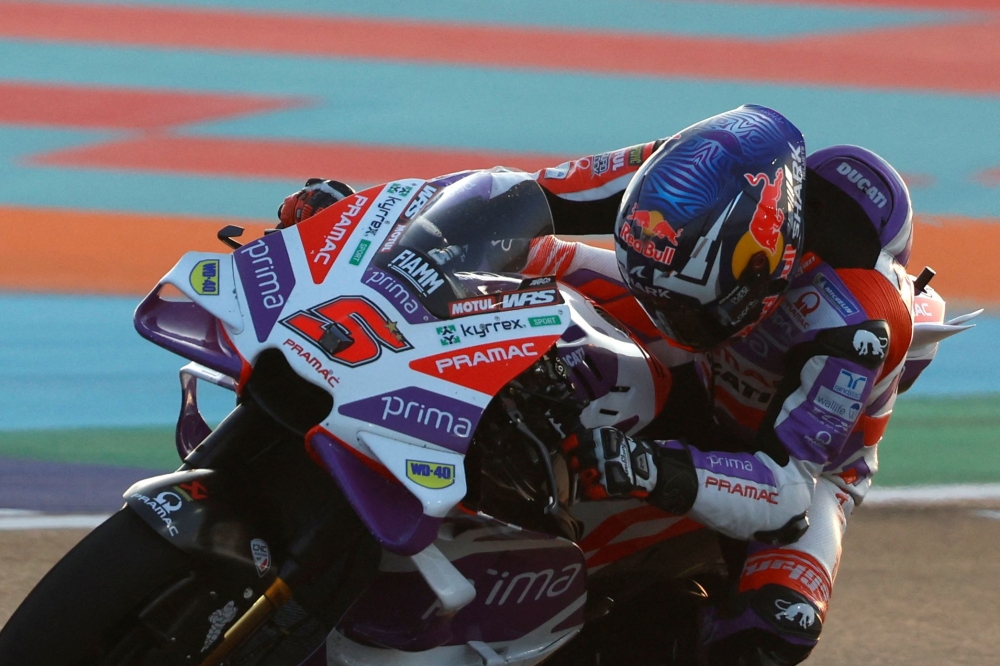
<point>594,370</point>
<point>517,591</point>
<point>390,512</point>
<point>420,413</point>
<point>399,296</point>
<point>268,280</point>
<point>737,465</point>
<point>187,330</point>
<point>191,426</point>
<point>877,186</point>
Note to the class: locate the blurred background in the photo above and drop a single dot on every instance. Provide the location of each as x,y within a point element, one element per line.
<point>131,131</point>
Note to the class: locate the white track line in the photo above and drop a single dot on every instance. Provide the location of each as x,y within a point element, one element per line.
<point>927,495</point>
<point>13,519</point>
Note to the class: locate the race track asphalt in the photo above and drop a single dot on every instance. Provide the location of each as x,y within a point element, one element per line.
<point>917,587</point>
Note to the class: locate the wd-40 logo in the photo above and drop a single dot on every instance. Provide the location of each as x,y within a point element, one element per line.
<point>486,367</point>
<point>505,301</point>
<point>417,271</point>
<point>349,329</point>
<point>325,233</point>
<point>205,277</point>
<point>430,474</point>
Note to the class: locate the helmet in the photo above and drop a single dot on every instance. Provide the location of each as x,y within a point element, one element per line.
<point>710,227</point>
<point>868,180</point>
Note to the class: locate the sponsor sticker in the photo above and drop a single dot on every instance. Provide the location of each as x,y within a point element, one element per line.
<point>418,412</point>
<point>400,190</point>
<point>834,403</point>
<point>430,474</point>
<point>487,367</point>
<point>325,234</point>
<point>261,556</point>
<point>396,293</point>
<point>447,335</point>
<point>416,270</point>
<point>512,300</point>
<point>551,320</point>
<point>205,277</point>
<point>267,278</point>
<point>359,253</point>
<point>850,385</point>
<point>835,296</point>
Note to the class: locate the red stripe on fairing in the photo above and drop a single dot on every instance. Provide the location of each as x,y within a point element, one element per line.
<point>953,57</point>
<point>364,163</point>
<point>116,108</point>
<point>616,551</point>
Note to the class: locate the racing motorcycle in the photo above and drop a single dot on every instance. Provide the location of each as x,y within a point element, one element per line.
<point>389,488</point>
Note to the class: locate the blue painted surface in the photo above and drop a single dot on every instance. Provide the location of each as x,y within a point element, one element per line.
<point>465,107</point>
<point>76,361</point>
<point>72,361</point>
<point>731,19</point>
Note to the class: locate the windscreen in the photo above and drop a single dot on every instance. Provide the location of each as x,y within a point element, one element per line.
<point>482,223</point>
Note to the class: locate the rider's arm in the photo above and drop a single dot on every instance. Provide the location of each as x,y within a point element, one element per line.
<point>584,194</point>
<point>828,415</point>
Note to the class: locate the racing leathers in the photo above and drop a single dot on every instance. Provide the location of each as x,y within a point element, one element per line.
<point>797,409</point>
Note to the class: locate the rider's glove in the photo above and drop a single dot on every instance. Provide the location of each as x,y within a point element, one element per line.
<point>611,464</point>
<point>311,199</point>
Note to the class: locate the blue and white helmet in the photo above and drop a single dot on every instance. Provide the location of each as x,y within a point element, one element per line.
<point>710,227</point>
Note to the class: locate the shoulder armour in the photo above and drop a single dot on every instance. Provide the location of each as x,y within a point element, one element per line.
<point>866,344</point>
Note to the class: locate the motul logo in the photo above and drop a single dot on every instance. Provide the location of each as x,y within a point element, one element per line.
<point>509,301</point>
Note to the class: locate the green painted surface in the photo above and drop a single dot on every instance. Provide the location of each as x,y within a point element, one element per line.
<point>152,448</point>
<point>929,441</point>
<point>942,440</point>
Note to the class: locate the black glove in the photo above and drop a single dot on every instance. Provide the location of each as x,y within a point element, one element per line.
<point>611,464</point>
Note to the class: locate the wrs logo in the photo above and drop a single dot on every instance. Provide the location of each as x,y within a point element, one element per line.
<point>349,329</point>
<point>514,300</point>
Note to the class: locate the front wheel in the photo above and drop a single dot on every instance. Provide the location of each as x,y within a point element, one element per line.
<point>124,596</point>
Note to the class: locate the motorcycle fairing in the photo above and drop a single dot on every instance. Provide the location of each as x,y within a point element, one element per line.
<point>191,509</point>
<point>531,593</point>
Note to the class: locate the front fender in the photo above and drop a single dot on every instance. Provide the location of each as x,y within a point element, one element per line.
<point>194,511</point>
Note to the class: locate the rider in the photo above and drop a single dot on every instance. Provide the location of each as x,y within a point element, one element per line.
<point>785,311</point>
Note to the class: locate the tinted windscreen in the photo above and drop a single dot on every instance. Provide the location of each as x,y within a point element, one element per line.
<point>482,223</point>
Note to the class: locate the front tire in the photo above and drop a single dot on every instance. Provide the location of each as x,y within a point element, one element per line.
<point>83,602</point>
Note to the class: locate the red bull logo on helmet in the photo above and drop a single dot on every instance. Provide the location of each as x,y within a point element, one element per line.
<point>653,224</point>
<point>765,225</point>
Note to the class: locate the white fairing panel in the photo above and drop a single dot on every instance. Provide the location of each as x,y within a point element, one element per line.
<point>608,367</point>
